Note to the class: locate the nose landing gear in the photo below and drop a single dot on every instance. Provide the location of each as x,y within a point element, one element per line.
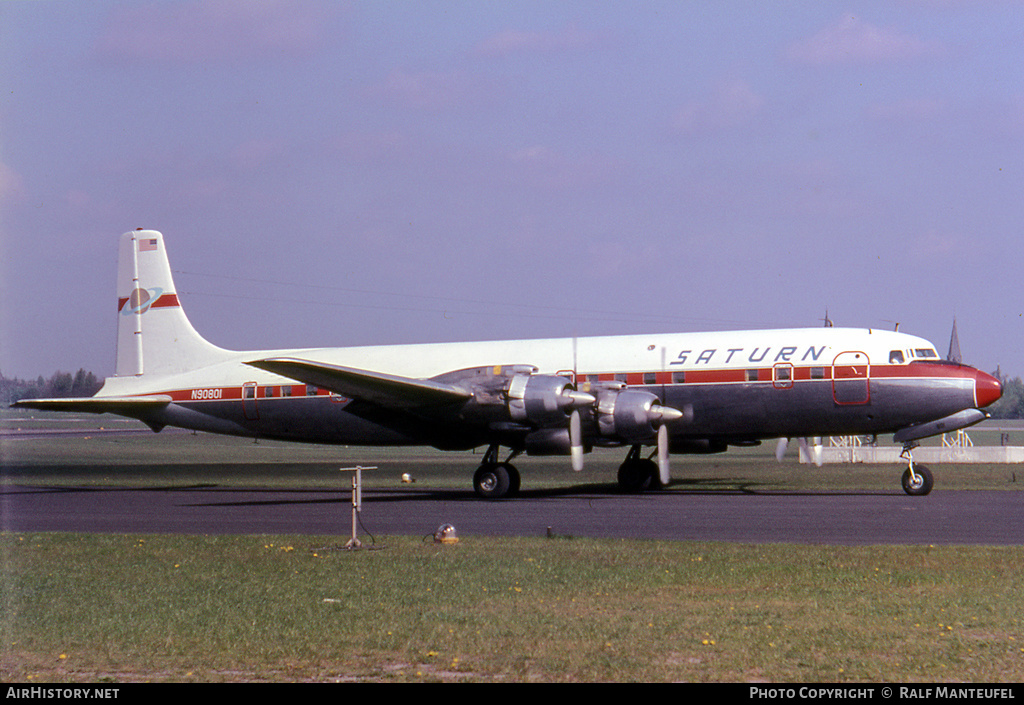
<point>917,479</point>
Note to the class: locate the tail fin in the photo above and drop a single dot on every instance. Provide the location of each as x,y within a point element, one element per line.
<point>153,335</point>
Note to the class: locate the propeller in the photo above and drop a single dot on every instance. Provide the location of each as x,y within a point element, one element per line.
<point>576,440</point>
<point>812,452</point>
<point>663,464</point>
<point>780,449</point>
<point>662,416</point>
<point>655,414</point>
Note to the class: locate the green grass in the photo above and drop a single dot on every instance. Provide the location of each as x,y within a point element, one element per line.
<point>171,608</point>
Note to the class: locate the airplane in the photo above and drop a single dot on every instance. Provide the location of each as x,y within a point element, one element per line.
<point>673,393</point>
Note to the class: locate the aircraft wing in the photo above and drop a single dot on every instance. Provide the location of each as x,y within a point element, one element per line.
<point>390,391</point>
<point>124,406</point>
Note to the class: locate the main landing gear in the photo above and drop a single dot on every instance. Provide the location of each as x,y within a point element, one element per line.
<point>493,479</point>
<point>497,480</point>
<point>637,473</point>
<point>917,478</point>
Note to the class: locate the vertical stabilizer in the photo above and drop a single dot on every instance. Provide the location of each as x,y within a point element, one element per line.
<point>153,335</point>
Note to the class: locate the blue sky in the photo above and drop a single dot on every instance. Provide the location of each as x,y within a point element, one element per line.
<point>335,173</point>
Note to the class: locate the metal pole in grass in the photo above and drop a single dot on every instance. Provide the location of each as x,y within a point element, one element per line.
<point>357,501</point>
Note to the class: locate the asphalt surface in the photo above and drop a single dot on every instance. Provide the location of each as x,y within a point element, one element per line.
<point>833,518</point>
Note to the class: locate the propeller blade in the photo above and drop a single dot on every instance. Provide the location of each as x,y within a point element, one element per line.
<point>811,453</point>
<point>576,441</point>
<point>663,464</point>
<point>780,449</point>
<point>804,448</point>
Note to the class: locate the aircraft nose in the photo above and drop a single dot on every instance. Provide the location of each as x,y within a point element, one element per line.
<point>987,389</point>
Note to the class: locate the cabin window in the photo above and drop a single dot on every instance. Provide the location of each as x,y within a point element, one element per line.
<point>752,375</point>
<point>620,377</point>
<point>268,392</point>
<point>650,378</point>
<point>817,373</point>
<point>896,357</point>
<point>678,377</point>
<point>782,376</point>
<point>310,390</point>
<point>286,390</point>
<point>925,352</point>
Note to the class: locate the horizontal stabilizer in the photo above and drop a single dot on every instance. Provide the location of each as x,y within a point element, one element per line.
<point>125,406</point>
<point>378,388</point>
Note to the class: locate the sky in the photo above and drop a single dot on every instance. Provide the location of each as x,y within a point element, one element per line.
<point>331,173</point>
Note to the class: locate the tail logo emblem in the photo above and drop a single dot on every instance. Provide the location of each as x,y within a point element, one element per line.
<point>140,301</point>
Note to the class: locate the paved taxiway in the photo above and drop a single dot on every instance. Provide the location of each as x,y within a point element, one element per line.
<point>943,517</point>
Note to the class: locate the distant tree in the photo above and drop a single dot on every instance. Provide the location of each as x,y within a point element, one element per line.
<point>84,384</point>
<point>60,384</point>
<point>1011,404</point>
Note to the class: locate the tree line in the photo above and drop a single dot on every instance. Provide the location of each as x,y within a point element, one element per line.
<point>1011,404</point>
<point>85,384</point>
<point>58,385</point>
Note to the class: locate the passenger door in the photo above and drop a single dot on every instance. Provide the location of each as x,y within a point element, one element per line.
<point>851,378</point>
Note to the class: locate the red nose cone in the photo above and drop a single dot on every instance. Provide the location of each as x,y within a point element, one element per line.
<point>987,389</point>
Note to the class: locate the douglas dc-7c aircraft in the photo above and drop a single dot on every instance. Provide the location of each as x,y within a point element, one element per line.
<point>677,393</point>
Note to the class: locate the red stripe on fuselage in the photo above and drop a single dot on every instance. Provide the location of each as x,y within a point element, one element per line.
<point>918,369</point>
<point>294,391</point>
<point>690,377</point>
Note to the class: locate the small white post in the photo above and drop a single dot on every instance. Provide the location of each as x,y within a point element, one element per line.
<point>357,501</point>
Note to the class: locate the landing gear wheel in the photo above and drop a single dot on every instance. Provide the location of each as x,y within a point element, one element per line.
<point>496,480</point>
<point>918,483</point>
<point>637,475</point>
<point>513,479</point>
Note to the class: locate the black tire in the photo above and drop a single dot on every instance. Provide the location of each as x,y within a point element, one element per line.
<point>923,484</point>
<point>514,480</point>
<point>637,475</point>
<point>492,481</point>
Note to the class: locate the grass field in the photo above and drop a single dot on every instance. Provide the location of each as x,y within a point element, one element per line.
<point>285,608</point>
<point>119,608</point>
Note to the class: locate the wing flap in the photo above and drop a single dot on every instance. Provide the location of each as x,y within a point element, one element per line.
<point>125,406</point>
<point>390,391</point>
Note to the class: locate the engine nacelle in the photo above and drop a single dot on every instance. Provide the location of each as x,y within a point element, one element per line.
<point>550,441</point>
<point>543,399</point>
<point>631,415</point>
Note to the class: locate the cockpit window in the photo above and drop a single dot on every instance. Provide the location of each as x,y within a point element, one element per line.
<point>925,352</point>
<point>896,357</point>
